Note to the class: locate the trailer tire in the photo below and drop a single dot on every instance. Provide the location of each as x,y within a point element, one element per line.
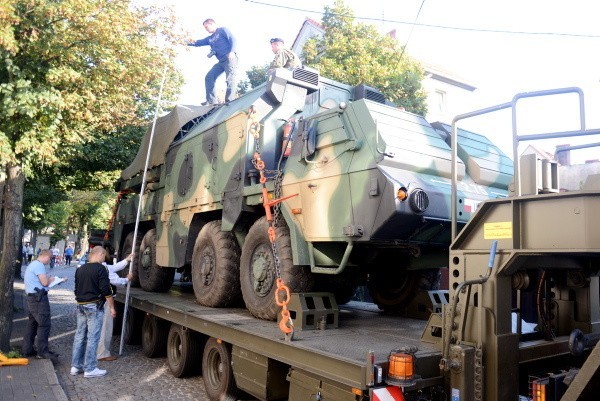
<point>217,372</point>
<point>392,291</point>
<point>257,269</point>
<point>153,278</point>
<point>215,271</point>
<point>343,286</point>
<point>127,249</point>
<point>183,351</point>
<point>154,336</point>
<point>133,329</point>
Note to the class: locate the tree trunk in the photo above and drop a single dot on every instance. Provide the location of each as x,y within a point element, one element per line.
<point>83,239</point>
<point>2,183</point>
<point>11,241</point>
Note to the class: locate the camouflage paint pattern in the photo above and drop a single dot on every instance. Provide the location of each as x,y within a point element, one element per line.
<point>365,152</point>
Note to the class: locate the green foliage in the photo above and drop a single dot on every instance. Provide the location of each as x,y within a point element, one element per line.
<point>72,68</point>
<point>97,163</point>
<point>13,353</point>
<point>92,207</point>
<point>43,190</point>
<point>77,80</point>
<point>256,76</point>
<point>355,53</point>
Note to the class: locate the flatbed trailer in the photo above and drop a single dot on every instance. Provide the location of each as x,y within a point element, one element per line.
<point>521,320</point>
<point>345,360</point>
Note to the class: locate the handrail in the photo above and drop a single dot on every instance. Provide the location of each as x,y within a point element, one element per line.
<point>516,138</point>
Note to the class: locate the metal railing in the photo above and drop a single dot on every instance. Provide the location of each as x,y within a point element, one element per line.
<point>516,138</point>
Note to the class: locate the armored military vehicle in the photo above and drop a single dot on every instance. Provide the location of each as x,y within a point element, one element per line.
<point>324,185</point>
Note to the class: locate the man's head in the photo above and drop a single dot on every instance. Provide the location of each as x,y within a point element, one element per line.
<point>45,256</point>
<point>97,255</point>
<point>210,25</point>
<point>276,44</point>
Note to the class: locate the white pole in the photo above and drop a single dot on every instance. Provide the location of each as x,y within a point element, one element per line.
<point>139,209</point>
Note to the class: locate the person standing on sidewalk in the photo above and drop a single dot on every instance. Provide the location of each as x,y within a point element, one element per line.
<point>92,290</point>
<point>38,326</point>
<point>55,253</point>
<point>68,255</point>
<point>107,324</point>
<point>29,253</point>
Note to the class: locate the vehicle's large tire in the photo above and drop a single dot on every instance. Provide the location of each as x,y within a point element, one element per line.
<point>154,336</point>
<point>392,290</point>
<point>342,286</point>
<point>184,349</point>
<point>215,267</point>
<point>217,372</point>
<point>257,269</point>
<point>133,327</point>
<point>127,249</point>
<point>153,277</point>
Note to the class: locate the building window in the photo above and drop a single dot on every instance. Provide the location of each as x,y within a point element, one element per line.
<point>440,99</point>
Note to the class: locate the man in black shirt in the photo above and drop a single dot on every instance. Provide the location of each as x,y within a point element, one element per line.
<point>92,290</point>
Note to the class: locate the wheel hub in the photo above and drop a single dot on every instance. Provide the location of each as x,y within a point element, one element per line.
<point>262,272</point>
<point>207,268</point>
<point>146,258</point>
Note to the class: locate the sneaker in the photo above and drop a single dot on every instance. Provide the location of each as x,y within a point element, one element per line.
<point>95,373</point>
<point>75,371</point>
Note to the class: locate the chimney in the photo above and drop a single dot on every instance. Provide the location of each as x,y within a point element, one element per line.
<point>563,157</point>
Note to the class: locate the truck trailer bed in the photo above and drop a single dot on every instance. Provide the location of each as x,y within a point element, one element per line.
<point>340,354</point>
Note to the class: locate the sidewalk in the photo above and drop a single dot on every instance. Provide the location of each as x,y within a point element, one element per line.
<point>35,381</point>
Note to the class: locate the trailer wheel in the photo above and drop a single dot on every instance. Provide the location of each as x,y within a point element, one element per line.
<point>217,372</point>
<point>127,249</point>
<point>133,329</point>
<point>153,277</point>
<point>257,269</point>
<point>154,336</point>
<point>393,290</point>
<point>343,286</point>
<point>183,351</point>
<point>215,272</point>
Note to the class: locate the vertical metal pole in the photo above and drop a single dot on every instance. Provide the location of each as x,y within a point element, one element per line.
<point>139,209</point>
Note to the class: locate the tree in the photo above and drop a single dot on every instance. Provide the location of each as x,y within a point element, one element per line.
<point>355,53</point>
<point>256,76</point>
<point>70,69</point>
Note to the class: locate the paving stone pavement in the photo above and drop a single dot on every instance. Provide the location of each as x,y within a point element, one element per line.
<point>132,377</point>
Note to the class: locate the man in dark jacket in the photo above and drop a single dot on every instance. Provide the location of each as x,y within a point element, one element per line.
<point>222,45</point>
<point>92,290</point>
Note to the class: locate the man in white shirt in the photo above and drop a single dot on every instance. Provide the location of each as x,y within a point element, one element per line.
<point>55,253</point>
<point>103,352</point>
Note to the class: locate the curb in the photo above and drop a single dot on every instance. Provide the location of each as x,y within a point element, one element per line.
<point>48,368</point>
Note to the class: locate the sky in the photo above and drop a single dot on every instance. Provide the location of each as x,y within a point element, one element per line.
<point>501,47</point>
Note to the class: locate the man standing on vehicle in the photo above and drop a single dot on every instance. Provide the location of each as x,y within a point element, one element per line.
<point>222,45</point>
<point>38,326</point>
<point>92,290</point>
<point>284,58</point>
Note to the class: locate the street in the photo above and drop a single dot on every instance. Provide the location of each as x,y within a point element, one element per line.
<point>131,377</point>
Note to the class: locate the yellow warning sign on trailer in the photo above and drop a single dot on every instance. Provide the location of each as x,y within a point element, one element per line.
<point>499,230</point>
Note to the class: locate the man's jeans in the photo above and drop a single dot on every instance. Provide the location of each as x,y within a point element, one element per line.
<point>85,344</point>
<point>230,70</point>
